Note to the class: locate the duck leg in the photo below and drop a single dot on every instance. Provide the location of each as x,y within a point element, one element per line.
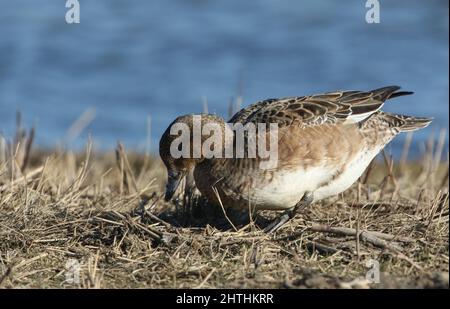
<point>306,200</point>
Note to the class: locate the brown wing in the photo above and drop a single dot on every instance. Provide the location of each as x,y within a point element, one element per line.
<point>332,107</point>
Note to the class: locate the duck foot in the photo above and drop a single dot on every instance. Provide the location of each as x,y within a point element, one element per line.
<point>287,215</point>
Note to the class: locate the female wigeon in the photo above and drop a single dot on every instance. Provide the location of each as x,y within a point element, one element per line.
<point>324,144</point>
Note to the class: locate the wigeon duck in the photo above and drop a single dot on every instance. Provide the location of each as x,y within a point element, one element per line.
<point>324,144</point>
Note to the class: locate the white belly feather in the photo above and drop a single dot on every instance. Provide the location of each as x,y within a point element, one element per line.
<point>287,188</point>
<point>349,175</point>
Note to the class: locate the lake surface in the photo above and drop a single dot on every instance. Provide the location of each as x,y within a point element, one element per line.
<point>128,60</point>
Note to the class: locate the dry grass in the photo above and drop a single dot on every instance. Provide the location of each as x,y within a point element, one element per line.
<point>103,213</point>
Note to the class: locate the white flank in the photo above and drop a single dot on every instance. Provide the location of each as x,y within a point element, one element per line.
<point>288,188</point>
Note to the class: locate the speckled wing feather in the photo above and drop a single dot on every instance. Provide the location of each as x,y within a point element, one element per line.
<point>332,107</point>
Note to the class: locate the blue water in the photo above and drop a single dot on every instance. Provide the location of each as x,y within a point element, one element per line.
<point>133,59</point>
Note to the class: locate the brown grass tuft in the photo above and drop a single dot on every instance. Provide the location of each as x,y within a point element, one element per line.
<point>103,215</point>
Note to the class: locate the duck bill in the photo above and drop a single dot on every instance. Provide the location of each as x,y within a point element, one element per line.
<point>173,182</point>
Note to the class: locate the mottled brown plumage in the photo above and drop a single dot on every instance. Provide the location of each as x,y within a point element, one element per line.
<point>325,142</point>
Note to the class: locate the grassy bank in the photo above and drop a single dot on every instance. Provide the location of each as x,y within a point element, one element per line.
<point>104,213</point>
